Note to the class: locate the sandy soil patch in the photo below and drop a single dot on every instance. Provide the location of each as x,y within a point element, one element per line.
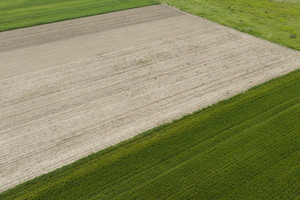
<point>72,88</point>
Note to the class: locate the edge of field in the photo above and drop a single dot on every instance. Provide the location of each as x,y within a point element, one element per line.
<point>124,147</point>
<point>65,18</point>
<point>274,21</point>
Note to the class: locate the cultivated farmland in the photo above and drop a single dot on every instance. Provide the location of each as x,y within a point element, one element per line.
<point>71,88</point>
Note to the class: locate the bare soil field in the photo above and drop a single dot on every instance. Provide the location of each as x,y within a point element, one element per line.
<point>71,88</point>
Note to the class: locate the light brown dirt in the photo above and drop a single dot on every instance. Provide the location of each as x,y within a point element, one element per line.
<point>72,88</point>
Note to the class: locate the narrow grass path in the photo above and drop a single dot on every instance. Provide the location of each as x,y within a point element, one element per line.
<point>24,13</point>
<point>274,20</point>
<point>247,147</point>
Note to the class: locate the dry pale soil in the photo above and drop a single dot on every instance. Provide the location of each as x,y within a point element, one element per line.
<point>71,88</point>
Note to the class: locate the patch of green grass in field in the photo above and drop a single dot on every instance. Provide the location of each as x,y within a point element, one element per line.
<point>274,20</point>
<point>23,13</point>
<point>247,147</point>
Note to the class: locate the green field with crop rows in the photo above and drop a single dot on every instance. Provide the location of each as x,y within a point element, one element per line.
<point>247,147</point>
<point>23,13</point>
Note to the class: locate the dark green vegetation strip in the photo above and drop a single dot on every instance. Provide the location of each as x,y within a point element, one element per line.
<point>247,147</point>
<point>274,20</point>
<point>23,13</point>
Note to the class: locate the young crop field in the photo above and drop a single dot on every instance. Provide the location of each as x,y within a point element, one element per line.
<point>247,147</point>
<point>23,13</point>
<point>274,20</point>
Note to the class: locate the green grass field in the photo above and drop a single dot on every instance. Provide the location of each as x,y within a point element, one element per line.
<point>274,20</point>
<point>247,147</point>
<point>23,13</point>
